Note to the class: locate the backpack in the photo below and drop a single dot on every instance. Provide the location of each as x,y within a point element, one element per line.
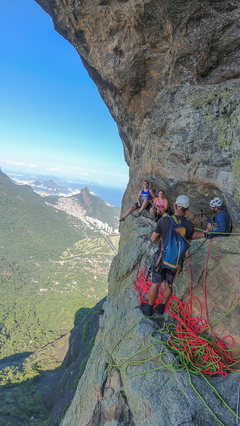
<point>175,245</point>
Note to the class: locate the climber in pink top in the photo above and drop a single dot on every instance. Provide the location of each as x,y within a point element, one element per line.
<point>160,205</point>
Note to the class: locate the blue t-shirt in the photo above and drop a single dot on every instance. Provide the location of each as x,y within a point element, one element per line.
<point>146,195</point>
<point>223,220</point>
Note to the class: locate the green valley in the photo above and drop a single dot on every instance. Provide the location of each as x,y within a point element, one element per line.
<point>53,271</point>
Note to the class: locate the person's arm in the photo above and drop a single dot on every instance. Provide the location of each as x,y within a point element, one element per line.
<point>152,194</point>
<point>139,198</point>
<point>154,202</point>
<point>165,205</point>
<point>155,237</point>
<point>190,232</point>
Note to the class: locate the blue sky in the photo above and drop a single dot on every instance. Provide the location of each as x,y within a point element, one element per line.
<point>52,118</point>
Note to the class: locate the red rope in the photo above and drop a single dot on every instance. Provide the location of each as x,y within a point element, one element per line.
<point>205,282</point>
<point>191,332</point>
<point>190,299</point>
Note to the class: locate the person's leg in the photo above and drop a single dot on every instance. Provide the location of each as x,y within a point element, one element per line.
<point>147,308</point>
<point>197,235</point>
<point>129,211</point>
<point>153,293</point>
<point>168,289</point>
<point>166,296</point>
<point>157,279</point>
<point>144,205</point>
<point>153,212</point>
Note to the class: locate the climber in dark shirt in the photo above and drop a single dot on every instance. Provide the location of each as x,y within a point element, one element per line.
<point>164,274</point>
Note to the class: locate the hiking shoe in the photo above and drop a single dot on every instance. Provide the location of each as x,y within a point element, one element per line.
<point>138,214</point>
<point>160,309</point>
<point>122,220</point>
<point>147,310</point>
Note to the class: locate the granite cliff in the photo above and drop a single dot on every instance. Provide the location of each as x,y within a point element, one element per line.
<point>169,72</point>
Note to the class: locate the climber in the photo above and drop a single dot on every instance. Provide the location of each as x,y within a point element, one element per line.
<point>218,224</point>
<point>144,196</point>
<point>164,274</point>
<point>159,206</point>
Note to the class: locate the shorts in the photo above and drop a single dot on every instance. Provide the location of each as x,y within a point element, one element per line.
<point>163,273</point>
<point>147,208</point>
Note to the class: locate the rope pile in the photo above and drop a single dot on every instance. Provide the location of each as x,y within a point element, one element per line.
<point>191,340</point>
<point>197,347</point>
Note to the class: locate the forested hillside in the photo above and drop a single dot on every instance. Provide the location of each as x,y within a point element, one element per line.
<point>53,269</point>
<point>40,290</point>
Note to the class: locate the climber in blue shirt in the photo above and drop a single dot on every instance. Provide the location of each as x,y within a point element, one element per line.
<point>145,195</point>
<point>218,225</point>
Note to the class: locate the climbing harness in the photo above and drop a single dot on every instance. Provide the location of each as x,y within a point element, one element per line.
<point>191,340</point>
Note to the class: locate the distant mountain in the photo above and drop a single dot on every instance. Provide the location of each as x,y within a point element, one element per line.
<point>28,226</point>
<point>87,206</point>
<point>50,184</point>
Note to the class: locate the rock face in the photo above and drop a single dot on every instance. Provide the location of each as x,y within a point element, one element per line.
<point>168,71</point>
<point>164,397</point>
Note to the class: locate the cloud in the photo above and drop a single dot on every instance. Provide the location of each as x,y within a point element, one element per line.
<point>71,172</point>
<point>16,163</point>
<point>33,166</point>
<point>78,173</point>
<point>55,169</point>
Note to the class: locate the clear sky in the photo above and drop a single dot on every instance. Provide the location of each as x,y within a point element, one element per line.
<point>52,118</point>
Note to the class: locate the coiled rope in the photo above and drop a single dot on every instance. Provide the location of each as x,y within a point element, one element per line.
<point>191,340</point>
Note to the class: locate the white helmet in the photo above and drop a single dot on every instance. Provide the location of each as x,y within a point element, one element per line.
<point>183,201</point>
<point>216,202</point>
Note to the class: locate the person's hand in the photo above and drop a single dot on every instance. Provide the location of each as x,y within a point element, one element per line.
<point>139,204</point>
<point>204,217</point>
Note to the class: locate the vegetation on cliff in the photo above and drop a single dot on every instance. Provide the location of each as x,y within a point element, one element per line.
<point>53,270</point>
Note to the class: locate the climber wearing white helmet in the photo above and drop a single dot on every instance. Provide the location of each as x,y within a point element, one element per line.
<point>160,272</point>
<point>218,224</point>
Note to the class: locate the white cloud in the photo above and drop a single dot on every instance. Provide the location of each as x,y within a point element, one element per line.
<point>55,169</point>
<point>33,166</point>
<point>16,163</point>
<point>78,173</point>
